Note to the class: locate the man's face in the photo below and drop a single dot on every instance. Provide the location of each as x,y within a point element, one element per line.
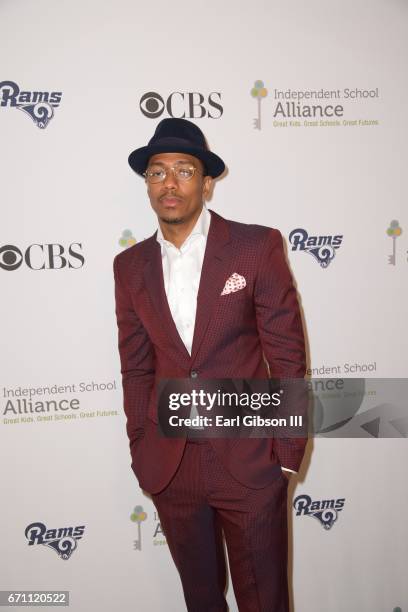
<point>177,201</point>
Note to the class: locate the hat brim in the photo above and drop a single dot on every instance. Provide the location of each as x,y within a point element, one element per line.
<point>139,158</point>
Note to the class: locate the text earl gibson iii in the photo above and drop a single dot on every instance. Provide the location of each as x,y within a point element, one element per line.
<point>247,420</point>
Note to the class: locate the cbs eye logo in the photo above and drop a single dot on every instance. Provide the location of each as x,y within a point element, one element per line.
<point>180,105</point>
<point>10,257</point>
<point>151,105</point>
<point>52,256</point>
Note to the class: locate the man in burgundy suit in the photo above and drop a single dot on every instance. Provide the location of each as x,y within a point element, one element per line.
<point>208,298</point>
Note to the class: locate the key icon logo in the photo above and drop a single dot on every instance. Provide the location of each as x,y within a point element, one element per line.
<point>393,231</point>
<point>138,516</point>
<point>259,92</point>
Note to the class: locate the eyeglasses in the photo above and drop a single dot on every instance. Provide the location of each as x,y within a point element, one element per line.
<point>182,172</point>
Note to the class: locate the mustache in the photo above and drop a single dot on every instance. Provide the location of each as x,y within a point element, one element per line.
<point>170,194</point>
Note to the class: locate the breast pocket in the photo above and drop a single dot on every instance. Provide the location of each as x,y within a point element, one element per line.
<point>234,297</point>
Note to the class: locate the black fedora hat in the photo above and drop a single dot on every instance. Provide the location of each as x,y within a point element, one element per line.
<point>177,136</point>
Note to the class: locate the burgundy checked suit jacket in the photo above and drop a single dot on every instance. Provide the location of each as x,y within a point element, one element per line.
<point>232,335</point>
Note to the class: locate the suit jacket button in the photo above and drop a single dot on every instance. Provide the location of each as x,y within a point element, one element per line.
<point>194,374</point>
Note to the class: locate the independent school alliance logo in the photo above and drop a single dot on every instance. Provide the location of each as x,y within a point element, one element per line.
<point>259,92</point>
<point>138,516</point>
<point>39,105</point>
<point>295,108</point>
<point>325,511</point>
<point>322,248</point>
<point>394,231</point>
<point>127,239</point>
<point>64,540</point>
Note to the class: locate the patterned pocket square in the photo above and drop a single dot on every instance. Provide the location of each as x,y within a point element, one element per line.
<point>236,282</point>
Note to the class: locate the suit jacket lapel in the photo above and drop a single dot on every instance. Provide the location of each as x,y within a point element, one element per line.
<point>213,276</point>
<point>154,283</point>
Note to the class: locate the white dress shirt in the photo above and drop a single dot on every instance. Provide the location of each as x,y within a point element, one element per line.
<point>181,273</point>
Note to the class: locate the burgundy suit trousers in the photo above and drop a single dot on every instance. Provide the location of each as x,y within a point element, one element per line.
<point>202,501</point>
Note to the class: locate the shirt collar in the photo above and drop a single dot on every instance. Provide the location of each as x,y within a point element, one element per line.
<point>201,229</point>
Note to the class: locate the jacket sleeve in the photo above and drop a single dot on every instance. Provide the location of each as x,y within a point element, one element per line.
<point>280,329</point>
<point>137,361</point>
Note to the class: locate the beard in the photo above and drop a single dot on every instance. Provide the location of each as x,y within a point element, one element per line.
<point>172,221</point>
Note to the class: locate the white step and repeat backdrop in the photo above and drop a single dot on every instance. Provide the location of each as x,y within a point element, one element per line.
<point>306,102</point>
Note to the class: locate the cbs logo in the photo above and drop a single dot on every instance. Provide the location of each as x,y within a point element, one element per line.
<point>180,105</point>
<point>42,257</point>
